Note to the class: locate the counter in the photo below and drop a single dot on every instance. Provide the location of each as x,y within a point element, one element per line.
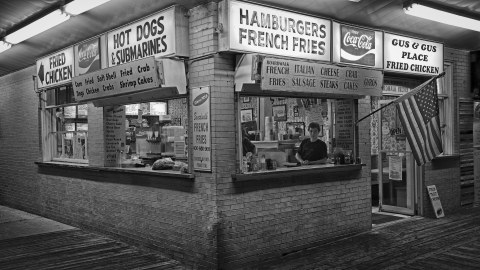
<point>306,170</point>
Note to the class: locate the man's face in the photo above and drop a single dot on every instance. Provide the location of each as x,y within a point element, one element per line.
<point>313,133</point>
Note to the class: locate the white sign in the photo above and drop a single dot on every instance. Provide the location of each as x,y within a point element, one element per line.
<point>410,55</point>
<point>130,77</point>
<point>202,154</point>
<point>395,168</point>
<point>161,34</point>
<point>55,69</point>
<point>254,28</point>
<point>435,199</point>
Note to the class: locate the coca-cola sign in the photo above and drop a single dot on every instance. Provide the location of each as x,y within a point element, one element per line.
<point>357,46</point>
<point>88,56</point>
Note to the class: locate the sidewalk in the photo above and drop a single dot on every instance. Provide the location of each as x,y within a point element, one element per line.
<point>449,243</point>
<point>31,242</point>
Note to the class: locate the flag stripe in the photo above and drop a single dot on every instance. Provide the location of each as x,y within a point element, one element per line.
<point>403,115</point>
<point>420,126</point>
<point>436,140</point>
<point>416,131</point>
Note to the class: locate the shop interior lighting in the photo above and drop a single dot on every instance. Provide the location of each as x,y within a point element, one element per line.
<point>80,6</point>
<point>437,15</point>
<point>4,46</point>
<point>52,19</point>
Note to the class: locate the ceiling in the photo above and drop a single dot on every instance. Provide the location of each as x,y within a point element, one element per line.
<point>378,14</point>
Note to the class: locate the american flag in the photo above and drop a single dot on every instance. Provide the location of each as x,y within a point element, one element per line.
<point>419,114</point>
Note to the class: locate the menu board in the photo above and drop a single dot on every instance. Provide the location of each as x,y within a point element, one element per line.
<point>114,134</point>
<point>130,77</point>
<point>344,124</point>
<point>202,154</point>
<point>300,76</point>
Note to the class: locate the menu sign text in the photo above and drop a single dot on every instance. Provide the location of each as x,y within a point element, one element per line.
<point>357,46</point>
<point>257,28</point>
<point>202,153</point>
<point>131,77</point>
<point>156,35</point>
<point>298,76</point>
<point>344,124</point>
<point>410,55</point>
<point>114,135</point>
<point>55,69</point>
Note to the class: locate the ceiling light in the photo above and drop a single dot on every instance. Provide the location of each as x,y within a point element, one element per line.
<point>442,17</point>
<point>80,6</point>
<point>4,46</point>
<point>52,19</point>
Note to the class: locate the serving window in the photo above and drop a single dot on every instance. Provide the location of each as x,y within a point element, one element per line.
<point>271,129</point>
<point>155,136</point>
<point>65,127</point>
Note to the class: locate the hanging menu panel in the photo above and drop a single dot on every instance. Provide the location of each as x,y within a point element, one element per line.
<point>298,76</point>
<point>131,77</point>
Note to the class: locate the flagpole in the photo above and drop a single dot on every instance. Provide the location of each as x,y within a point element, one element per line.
<point>394,101</point>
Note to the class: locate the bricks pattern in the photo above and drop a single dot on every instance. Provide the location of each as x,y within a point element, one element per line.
<point>447,178</point>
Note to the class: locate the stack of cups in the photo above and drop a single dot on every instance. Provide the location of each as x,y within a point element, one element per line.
<point>268,128</point>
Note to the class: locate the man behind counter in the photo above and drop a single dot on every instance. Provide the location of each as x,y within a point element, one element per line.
<point>312,150</point>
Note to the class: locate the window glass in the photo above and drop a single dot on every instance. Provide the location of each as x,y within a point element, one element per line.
<point>273,128</point>
<point>65,127</point>
<point>155,136</point>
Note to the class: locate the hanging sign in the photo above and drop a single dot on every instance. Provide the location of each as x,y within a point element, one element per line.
<point>55,69</point>
<point>435,199</point>
<point>130,77</point>
<point>202,153</point>
<point>255,28</point>
<point>411,55</point>
<point>358,46</point>
<point>162,34</point>
<point>297,76</point>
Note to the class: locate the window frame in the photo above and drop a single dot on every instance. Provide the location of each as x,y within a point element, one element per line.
<point>446,109</point>
<point>49,125</point>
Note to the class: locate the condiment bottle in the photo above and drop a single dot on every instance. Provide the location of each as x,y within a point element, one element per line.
<point>263,163</point>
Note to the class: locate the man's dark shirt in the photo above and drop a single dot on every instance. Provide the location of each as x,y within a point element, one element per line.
<point>312,151</point>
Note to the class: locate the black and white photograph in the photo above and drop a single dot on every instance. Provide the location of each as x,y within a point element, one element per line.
<point>238,134</point>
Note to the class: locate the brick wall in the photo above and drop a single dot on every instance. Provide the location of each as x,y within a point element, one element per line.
<point>445,174</point>
<point>19,141</point>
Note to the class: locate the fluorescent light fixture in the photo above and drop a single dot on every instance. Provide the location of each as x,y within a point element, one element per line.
<point>4,46</point>
<point>442,17</point>
<point>52,19</point>
<point>79,6</point>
